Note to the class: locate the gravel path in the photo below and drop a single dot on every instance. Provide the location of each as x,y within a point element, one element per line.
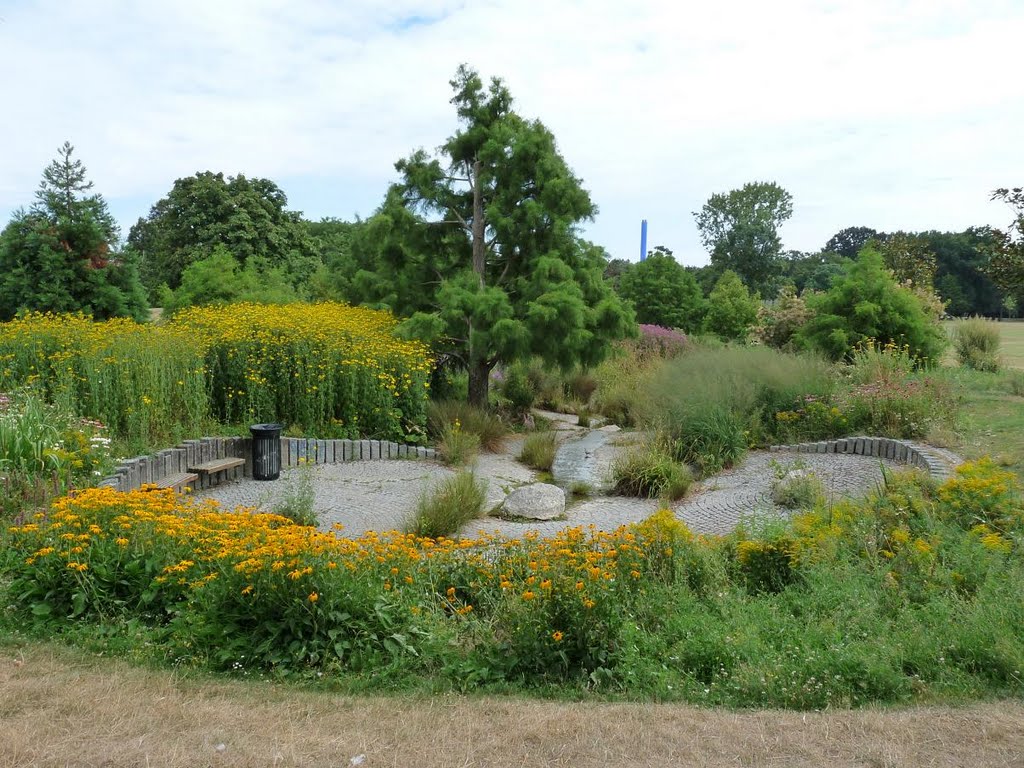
<point>381,495</point>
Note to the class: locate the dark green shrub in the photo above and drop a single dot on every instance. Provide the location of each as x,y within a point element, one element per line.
<point>517,388</point>
<point>868,304</point>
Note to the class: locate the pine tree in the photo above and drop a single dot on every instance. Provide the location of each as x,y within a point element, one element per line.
<point>60,256</point>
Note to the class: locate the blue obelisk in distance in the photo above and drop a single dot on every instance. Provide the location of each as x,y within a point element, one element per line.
<point>643,239</point>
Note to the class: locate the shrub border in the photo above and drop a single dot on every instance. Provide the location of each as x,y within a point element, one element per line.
<point>132,473</point>
<point>937,462</point>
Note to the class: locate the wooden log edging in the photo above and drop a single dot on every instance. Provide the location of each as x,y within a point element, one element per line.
<point>938,463</point>
<point>133,473</point>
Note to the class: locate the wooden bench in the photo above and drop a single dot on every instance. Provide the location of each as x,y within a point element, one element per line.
<point>210,468</point>
<point>177,481</point>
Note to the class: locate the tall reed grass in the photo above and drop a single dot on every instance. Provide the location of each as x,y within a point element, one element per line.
<point>711,404</point>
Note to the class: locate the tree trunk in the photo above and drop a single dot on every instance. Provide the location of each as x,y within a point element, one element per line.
<point>479,381</point>
<point>479,246</point>
<point>479,370</point>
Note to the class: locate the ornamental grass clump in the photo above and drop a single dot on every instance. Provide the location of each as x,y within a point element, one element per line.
<point>976,341</point>
<point>539,449</point>
<point>651,473</point>
<point>457,448</point>
<point>449,505</point>
<point>711,404</point>
<point>488,427</point>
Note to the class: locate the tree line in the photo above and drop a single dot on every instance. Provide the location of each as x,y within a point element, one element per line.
<point>477,245</point>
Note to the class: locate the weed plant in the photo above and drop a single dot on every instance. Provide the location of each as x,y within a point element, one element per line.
<point>452,503</point>
<point>796,487</point>
<point>298,497</point>
<point>457,448</point>
<point>583,417</point>
<point>539,450</point>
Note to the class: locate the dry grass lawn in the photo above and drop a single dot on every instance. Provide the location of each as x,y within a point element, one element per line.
<point>59,707</point>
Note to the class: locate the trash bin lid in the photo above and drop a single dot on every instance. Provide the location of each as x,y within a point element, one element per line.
<point>266,427</point>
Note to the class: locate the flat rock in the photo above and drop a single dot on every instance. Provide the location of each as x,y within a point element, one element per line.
<point>537,501</point>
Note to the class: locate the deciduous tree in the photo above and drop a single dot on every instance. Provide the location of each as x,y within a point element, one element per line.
<point>663,292</point>
<point>740,229</point>
<point>732,311</point>
<point>246,216</point>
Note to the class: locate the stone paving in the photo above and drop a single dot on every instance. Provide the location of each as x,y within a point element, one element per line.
<point>381,495</point>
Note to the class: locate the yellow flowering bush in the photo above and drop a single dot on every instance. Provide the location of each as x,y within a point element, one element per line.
<point>982,494</point>
<point>243,583</point>
<point>328,368</point>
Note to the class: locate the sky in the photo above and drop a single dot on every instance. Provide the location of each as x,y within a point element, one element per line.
<point>892,114</point>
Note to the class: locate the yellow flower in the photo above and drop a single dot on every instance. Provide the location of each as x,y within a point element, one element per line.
<point>557,636</point>
<point>528,595</point>
<point>313,597</point>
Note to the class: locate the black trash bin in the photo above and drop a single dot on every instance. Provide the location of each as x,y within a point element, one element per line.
<point>266,451</point>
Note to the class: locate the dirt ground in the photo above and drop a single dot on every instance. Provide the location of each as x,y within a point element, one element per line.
<point>59,707</point>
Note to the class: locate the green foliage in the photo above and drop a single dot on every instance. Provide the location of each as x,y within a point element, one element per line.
<point>247,217</point>
<point>1005,266</point>
<point>663,292</point>
<point>457,448</point>
<point>740,229</point>
<point>486,426</point>
<point>976,341</point>
<point>538,451</point>
<point>652,473</point>
<point>448,506</point>
<point>868,304</point>
<point>732,309</point>
<point>909,259</point>
<point>516,387</point>
<point>45,451</point>
<point>59,256</point>
<point>779,323</point>
<point>220,279</point>
<point>477,247</point>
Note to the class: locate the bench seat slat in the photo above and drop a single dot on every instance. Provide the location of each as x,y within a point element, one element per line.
<point>217,465</point>
<point>177,480</point>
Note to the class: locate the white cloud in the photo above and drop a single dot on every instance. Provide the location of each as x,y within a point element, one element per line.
<point>887,113</point>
